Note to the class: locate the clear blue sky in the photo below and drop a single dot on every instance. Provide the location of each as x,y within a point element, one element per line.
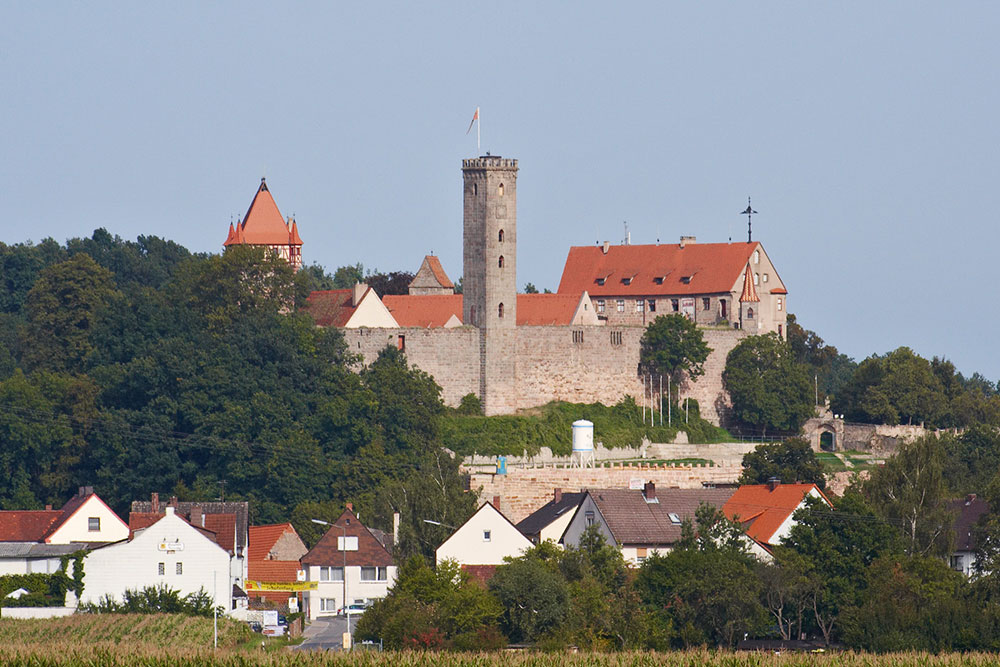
<point>867,134</point>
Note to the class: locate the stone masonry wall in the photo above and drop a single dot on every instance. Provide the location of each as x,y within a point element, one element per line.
<point>524,490</point>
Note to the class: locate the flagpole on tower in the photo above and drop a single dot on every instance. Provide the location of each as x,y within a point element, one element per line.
<point>479,127</point>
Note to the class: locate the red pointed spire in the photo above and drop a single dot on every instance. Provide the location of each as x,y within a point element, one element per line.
<point>749,294</point>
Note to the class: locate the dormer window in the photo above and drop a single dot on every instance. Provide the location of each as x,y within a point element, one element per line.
<point>600,281</point>
<point>627,281</point>
<point>658,280</point>
<point>686,279</point>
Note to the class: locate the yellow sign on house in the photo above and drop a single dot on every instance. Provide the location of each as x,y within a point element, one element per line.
<point>274,586</point>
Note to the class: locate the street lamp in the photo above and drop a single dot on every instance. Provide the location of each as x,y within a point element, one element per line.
<point>343,548</point>
<point>438,523</point>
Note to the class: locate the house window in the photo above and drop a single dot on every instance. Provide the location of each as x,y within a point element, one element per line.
<point>620,305</point>
<point>589,515</point>
<point>600,305</point>
<point>500,262</point>
<point>94,524</point>
<point>722,308</point>
<point>749,313</point>
<point>500,236</point>
<point>331,573</point>
<point>328,604</point>
<point>401,343</point>
<point>956,563</point>
<point>756,279</point>
<point>487,535</point>
<point>652,305</point>
<point>161,569</point>
<point>500,311</point>
<point>351,540</point>
<point>577,336</point>
<point>779,303</point>
<point>675,305</point>
<point>756,256</point>
<point>179,568</point>
<point>374,574</point>
<point>616,337</point>
<point>706,303</point>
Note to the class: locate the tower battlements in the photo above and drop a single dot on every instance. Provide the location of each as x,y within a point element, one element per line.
<point>489,162</point>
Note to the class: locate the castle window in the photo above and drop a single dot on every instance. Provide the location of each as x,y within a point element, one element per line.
<point>765,277</point>
<point>401,343</point>
<point>500,262</point>
<point>756,256</point>
<point>640,305</point>
<point>600,305</point>
<point>500,190</point>
<point>577,336</point>
<point>620,304</point>
<point>500,311</point>
<point>780,332</point>
<point>722,308</point>
<point>675,305</point>
<point>652,305</point>
<point>500,236</point>
<point>706,303</point>
<point>756,279</point>
<point>779,303</point>
<point>475,188</point>
<point>616,337</point>
<point>749,313</point>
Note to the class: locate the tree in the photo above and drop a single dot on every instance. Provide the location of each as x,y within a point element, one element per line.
<point>672,345</point>
<point>394,282</point>
<point>899,387</point>
<point>770,390</point>
<point>910,491</point>
<point>831,369</point>
<point>534,597</point>
<point>530,288</point>
<point>345,277</point>
<point>790,461</point>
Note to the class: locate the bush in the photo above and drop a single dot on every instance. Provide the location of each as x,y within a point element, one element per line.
<point>155,600</point>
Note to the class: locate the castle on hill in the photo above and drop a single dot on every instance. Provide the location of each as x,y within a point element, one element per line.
<point>263,226</point>
<point>581,344</point>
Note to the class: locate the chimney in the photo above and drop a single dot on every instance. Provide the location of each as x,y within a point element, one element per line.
<point>773,483</point>
<point>557,495</point>
<point>358,292</point>
<point>969,499</point>
<point>688,240</point>
<point>197,517</point>
<point>649,491</point>
<point>350,507</point>
<point>496,502</point>
<point>604,248</point>
<point>173,501</point>
<point>155,502</point>
<point>395,528</point>
<point>82,491</point>
<point>88,490</point>
<point>48,508</point>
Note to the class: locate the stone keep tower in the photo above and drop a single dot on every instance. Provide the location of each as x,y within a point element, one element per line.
<point>489,284</point>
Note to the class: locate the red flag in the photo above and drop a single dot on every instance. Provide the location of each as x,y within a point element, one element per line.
<point>475,117</point>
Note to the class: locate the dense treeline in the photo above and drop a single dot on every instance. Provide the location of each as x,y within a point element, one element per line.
<point>138,367</point>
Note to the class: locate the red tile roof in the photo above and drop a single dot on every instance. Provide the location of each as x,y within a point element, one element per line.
<point>435,266</point>
<point>273,571</point>
<point>331,308</point>
<point>370,551</point>
<point>481,573</point>
<point>263,224</point>
<point>749,294</point>
<point>632,520</point>
<point>423,310</point>
<point>762,510</point>
<point>224,527</point>
<point>27,525</point>
<point>263,539</point>
<point>710,268</point>
<point>546,309</point>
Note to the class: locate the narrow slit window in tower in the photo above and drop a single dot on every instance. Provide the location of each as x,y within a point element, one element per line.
<point>500,311</point>
<point>500,189</point>
<point>500,262</point>
<point>500,236</point>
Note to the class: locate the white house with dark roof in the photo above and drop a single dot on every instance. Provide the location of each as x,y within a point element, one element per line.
<point>967,510</point>
<point>549,521</point>
<point>640,522</point>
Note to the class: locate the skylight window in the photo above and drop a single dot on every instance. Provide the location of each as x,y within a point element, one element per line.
<point>674,518</point>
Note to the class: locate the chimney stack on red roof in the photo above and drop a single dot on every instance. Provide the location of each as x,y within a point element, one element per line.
<point>557,495</point>
<point>496,502</point>
<point>350,507</point>
<point>773,483</point>
<point>197,516</point>
<point>155,502</point>
<point>969,499</point>
<point>357,292</point>
<point>649,491</point>
<point>48,508</point>
<point>173,502</point>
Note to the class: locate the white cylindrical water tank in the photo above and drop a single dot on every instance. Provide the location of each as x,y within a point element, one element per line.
<point>583,436</point>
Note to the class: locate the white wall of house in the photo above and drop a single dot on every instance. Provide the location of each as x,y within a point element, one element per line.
<point>152,558</point>
<point>93,521</point>
<point>554,531</point>
<point>329,594</point>
<point>785,529</point>
<point>371,312</point>
<point>964,562</point>
<point>485,539</point>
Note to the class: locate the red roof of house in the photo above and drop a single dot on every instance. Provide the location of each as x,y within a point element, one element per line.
<point>273,571</point>
<point>481,573</point>
<point>546,309</point>
<point>749,294</point>
<point>707,268</point>
<point>27,525</point>
<point>331,308</point>
<point>435,266</point>
<point>423,310</point>
<point>263,539</point>
<point>762,509</point>
<point>263,224</point>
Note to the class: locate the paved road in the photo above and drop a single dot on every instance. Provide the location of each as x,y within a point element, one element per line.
<point>325,633</point>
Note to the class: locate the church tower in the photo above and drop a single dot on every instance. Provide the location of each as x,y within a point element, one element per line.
<point>489,283</point>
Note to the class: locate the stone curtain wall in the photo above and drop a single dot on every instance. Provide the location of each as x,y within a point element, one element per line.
<point>524,490</point>
<point>708,391</point>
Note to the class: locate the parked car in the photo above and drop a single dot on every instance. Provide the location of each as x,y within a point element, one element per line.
<point>356,608</point>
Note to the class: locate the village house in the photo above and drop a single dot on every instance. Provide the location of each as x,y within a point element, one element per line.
<point>640,522</point>
<point>166,551</point>
<point>968,511</point>
<point>766,511</point>
<point>480,544</point>
<point>549,521</point>
<point>274,574</point>
<point>348,563</point>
